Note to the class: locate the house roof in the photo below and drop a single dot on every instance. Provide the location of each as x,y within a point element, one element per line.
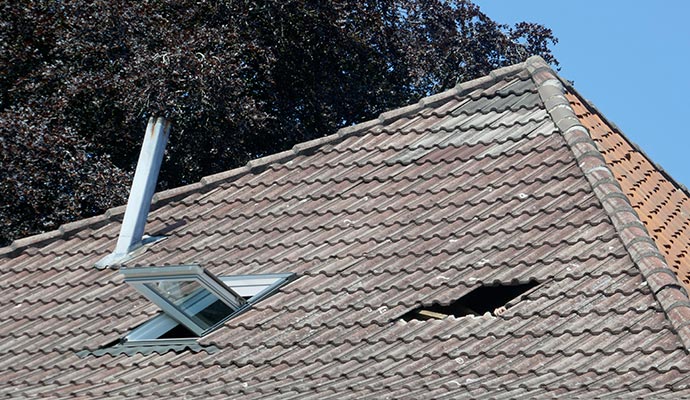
<point>662,204</point>
<point>496,181</point>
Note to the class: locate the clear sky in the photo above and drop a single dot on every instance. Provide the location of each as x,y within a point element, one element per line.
<point>630,58</point>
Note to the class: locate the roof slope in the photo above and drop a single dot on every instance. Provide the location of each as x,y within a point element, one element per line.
<point>494,181</point>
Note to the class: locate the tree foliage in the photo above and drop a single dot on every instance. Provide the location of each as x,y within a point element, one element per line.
<point>239,79</point>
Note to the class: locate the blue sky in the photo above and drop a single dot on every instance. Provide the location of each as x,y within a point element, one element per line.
<point>630,58</point>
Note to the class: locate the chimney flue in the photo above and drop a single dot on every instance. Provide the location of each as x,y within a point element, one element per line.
<point>142,190</point>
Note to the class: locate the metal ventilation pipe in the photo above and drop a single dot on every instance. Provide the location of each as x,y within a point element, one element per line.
<point>141,193</point>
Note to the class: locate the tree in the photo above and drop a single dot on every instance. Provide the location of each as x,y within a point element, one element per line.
<point>239,79</point>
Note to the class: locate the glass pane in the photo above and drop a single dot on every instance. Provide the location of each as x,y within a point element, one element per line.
<point>175,291</point>
<point>192,299</point>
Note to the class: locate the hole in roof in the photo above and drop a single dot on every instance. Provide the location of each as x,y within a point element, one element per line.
<point>492,299</point>
<point>194,301</point>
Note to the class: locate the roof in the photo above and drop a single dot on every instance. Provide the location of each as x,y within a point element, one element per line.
<point>662,204</point>
<point>496,181</point>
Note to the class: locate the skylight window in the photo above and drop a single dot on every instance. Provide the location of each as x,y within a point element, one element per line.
<point>193,300</point>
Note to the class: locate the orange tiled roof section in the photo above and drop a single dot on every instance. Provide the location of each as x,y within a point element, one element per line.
<point>661,205</point>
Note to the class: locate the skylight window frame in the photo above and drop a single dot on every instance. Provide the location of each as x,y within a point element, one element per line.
<point>253,288</point>
<point>141,277</point>
<point>149,333</point>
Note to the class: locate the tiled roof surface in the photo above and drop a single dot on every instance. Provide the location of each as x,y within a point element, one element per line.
<point>491,182</point>
<point>662,204</point>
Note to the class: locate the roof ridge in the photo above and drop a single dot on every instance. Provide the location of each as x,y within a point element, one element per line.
<point>638,243</point>
<point>258,165</point>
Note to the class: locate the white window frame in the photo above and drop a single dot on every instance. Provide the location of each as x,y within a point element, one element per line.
<point>239,292</point>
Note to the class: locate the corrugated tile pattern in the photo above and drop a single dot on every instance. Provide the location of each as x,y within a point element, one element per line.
<point>474,186</point>
<point>660,203</point>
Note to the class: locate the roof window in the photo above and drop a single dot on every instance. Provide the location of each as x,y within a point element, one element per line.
<point>492,299</point>
<point>193,300</point>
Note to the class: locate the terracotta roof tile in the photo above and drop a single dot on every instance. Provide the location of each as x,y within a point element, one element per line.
<point>662,204</point>
<point>492,182</point>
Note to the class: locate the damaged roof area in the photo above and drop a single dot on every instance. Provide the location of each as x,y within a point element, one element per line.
<point>496,183</point>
